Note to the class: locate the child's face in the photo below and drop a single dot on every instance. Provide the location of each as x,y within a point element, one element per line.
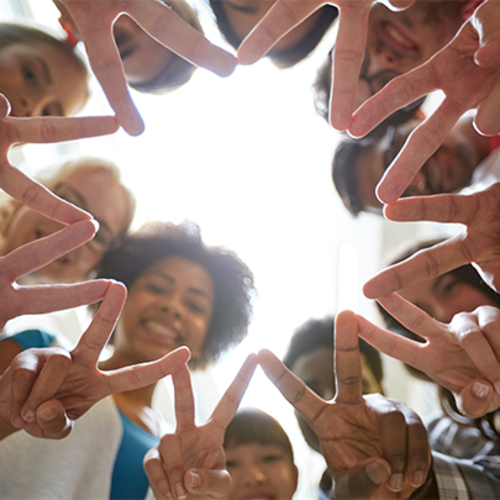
<point>41,81</point>
<point>258,471</point>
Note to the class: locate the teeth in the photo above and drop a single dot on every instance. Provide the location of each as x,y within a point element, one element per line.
<point>396,35</point>
<point>158,328</point>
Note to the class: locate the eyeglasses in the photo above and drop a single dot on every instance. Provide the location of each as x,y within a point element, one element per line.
<point>104,237</point>
<point>380,79</point>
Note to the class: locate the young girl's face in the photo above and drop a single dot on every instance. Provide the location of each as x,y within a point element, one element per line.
<point>41,80</point>
<point>168,306</point>
<point>260,472</point>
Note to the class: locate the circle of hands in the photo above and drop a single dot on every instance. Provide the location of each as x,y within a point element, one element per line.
<point>373,446</point>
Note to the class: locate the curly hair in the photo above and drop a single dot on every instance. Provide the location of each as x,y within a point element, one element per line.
<point>232,279</point>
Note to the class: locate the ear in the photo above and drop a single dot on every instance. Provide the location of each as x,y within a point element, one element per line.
<point>296,477</point>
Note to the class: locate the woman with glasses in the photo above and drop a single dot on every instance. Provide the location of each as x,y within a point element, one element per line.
<point>90,183</point>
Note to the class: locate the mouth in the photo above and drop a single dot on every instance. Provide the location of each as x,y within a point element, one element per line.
<point>162,332</point>
<point>397,38</point>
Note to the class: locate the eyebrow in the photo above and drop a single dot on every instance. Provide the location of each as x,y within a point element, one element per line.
<point>169,279</point>
<point>246,9</point>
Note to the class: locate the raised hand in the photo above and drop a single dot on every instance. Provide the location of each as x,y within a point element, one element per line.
<point>285,15</point>
<point>465,84</point>
<point>462,356</point>
<point>191,462</point>
<point>52,378</point>
<point>43,130</point>
<point>478,244</point>
<point>94,21</point>
<point>374,446</point>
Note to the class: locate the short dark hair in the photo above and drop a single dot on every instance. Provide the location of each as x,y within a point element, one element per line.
<point>317,333</point>
<point>464,274</point>
<point>232,279</point>
<point>281,58</point>
<point>345,172</point>
<point>251,425</point>
<point>177,71</point>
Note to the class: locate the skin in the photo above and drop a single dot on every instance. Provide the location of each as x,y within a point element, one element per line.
<point>449,169</point>
<point>98,192</point>
<point>41,81</point>
<point>400,41</point>
<point>243,15</point>
<point>260,472</point>
<point>445,296</point>
<point>143,58</point>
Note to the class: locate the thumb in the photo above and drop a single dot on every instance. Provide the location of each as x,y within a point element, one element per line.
<point>209,482</point>
<point>52,419</point>
<point>475,399</point>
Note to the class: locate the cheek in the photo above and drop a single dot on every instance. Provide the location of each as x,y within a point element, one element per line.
<point>283,479</point>
<point>84,259</point>
<point>198,331</point>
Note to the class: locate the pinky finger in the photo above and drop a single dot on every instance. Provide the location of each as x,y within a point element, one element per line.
<point>156,474</point>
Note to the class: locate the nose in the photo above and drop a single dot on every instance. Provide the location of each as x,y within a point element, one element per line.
<point>381,59</point>
<point>445,312</point>
<point>32,105</point>
<point>253,475</point>
<point>171,304</point>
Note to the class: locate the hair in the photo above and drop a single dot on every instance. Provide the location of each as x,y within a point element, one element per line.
<point>345,172</point>
<point>321,91</point>
<point>177,71</point>
<point>251,425</point>
<point>11,34</point>
<point>318,333</point>
<point>52,176</point>
<point>464,274</point>
<point>232,279</point>
<point>281,58</point>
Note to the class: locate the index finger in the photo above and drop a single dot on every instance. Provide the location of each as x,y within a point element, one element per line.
<point>281,18</point>
<point>228,405</point>
<point>425,264</point>
<point>348,57</point>
<point>347,359</point>
<point>420,145</point>
<point>168,28</point>
<point>305,401</point>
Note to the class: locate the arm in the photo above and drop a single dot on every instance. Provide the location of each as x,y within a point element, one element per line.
<point>94,21</point>
<point>191,462</point>
<point>466,84</point>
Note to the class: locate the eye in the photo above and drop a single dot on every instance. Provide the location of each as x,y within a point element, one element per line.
<point>271,458</point>
<point>196,308</point>
<point>154,288</point>
<point>230,463</point>
<point>29,75</point>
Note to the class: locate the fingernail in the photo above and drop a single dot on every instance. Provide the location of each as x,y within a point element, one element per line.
<point>180,491</point>
<point>481,390</point>
<point>29,416</point>
<point>194,479</point>
<point>48,414</point>
<point>497,387</point>
<point>418,478</point>
<point>396,482</point>
<point>169,496</point>
<point>377,472</point>
<point>18,422</point>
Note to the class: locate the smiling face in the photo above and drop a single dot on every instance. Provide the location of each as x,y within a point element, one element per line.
<point>400,41</point>
<point>168,306</point>
<point>445,296</point>
<point>143,58</point>
<point>95,190</point>
<point>260,472</point>
<point>41,80</point>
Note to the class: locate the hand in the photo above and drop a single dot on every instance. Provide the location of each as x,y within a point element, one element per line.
<point>478,244</point>
<point>192,461</point>
<point>43,130</point>
<point>462,356</point>
<point>94,21</point>
<point>285,15</point>
<point>374,446</point>
<point>39,379</point>
<point>466,86</point>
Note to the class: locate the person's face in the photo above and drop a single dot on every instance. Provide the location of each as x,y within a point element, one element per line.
<point>96,191</point>
<point>168,306</point>
<point>448,170</point>
<point>143,58</point>
<point>260,472</point>
<point>41,81</point>
<point>243,15</point>
<point>315,369</point>
<point>400,41</point>
<point>445,296</point>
